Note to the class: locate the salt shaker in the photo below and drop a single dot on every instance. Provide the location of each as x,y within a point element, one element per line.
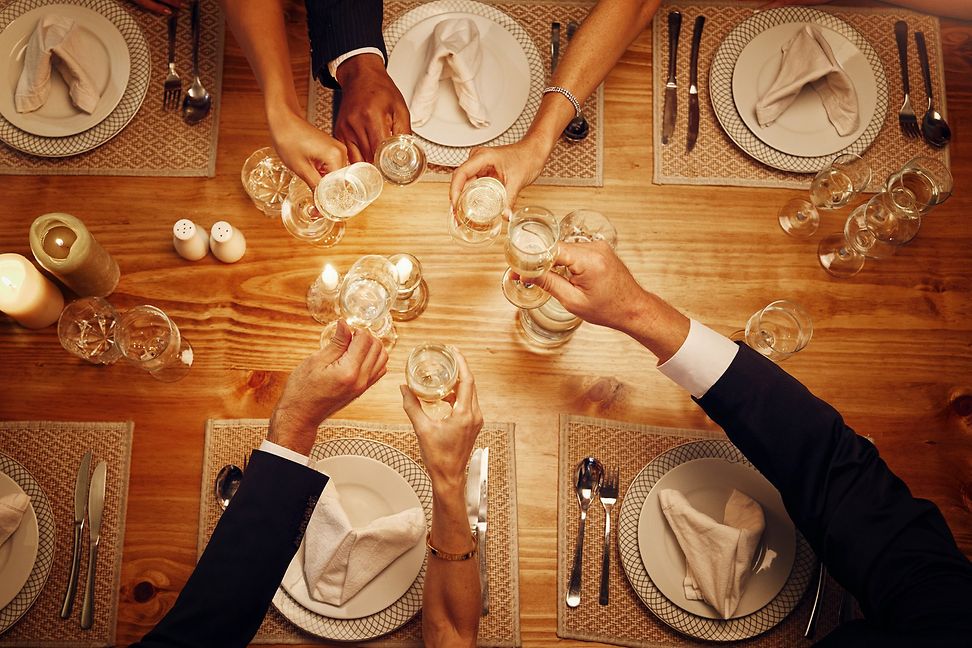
<point>227,243</point>
<point>190,241</point>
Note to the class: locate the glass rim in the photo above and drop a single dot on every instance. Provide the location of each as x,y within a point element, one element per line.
<point>125,319</point>
<point>445,349</point>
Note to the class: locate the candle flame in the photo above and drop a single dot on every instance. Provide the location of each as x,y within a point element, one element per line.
<point>404,269</point>
<point>329,276</point>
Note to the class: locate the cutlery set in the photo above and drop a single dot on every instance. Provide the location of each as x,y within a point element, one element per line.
<point>933,127</point>
<point>670,111</point>
<point>89,503</point>
<point>197,101</point>
<point>590,482</point>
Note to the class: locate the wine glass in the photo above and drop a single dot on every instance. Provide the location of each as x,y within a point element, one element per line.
<point>413,292</point>
<point>151,341</point>
<point>587,226</point>
<point>477,217</point>
<point>346,192</point>
<point>86,329</point>
<point>367,292</point>
<point>832,188</point>
<point>930,183</point>
<point>400,159</point>
<point>779,330</point>
<point>531,247</point>
<point>305,220</point>
<point>432,372</point>
<point>265,179</point>
<point>550,325</point>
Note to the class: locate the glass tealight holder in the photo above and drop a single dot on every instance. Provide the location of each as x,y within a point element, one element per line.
<point>477,217</point>
<point>549,326</point>
<point>431,373</point>
<point>344,193</point>
<point>413,292</point>
<point>266,180</point>
<point>305,221</point>
<point>86,329</point>
<point>400,159</point>
<point>323,294</point>
<point>367,293</point>
<point>531,248</point>
<point>148,339</point>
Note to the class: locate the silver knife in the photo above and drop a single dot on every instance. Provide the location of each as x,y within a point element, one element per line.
<point>671,101</point>
<point>80,505</point>
<point>481,528</point>
<point>693,118</point>
<point>554,47</point>
<point>96,505</point>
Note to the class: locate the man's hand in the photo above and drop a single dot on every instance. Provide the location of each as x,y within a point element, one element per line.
<point>372,108</point>
<point>324,383</point>
<point>306,150</point>
<point>515,165</point>
<point>446,444</point>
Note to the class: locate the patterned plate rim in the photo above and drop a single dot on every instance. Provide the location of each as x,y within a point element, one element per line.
<point>397,614</point>
<point>723,105</point>
<point>670,614</point>
<point>46,542</point>
<point>128,106</point>
<point>454,156</point>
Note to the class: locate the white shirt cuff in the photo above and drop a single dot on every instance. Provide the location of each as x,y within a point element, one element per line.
<point>333,65</point>
<point>286,453</point>
<point>701,360</point>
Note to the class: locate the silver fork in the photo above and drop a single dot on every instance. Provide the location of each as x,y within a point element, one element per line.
<point>608,496</point>
<point>172,88</point>
<point>906,116</point>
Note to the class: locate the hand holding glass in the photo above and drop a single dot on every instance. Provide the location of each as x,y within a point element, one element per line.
<point>531,248</point>
<point>431,372</point>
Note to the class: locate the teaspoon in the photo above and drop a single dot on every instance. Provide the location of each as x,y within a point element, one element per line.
<point>227,482</point>
<point>587,480</point>
<point>933,125</point>
<point>578,128</point>
<point>198,101</point>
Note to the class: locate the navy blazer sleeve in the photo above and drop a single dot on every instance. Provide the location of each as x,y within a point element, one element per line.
<point>336,27</point>
<point>228,593</point>
<point>894,552</point>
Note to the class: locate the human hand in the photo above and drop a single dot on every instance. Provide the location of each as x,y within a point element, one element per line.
<point>306,150</point>
<point>324,383</point>
<point>163,7</point>
<point>515,165</point>
<point>372,108</point>
<point>447,443</point>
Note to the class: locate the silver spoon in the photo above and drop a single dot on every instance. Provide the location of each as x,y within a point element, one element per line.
<point>578,128</point>
<point>933,125</point>
<point>227,482</point>
<point>197,102</point>
<point>587,480</point>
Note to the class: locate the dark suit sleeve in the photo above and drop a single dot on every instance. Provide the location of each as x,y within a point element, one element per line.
<point>894,552</point>
<point>228,593</point>
<point>336,27</point>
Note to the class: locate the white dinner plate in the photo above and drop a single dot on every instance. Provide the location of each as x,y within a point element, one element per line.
<point>59,116</point>
<point>18,553</point>
<point>369,490</point>
<point>707,484</point>
<point>803,128</point>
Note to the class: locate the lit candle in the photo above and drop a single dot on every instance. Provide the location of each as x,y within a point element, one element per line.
<point>329,278</point>
<point>64,247</point>
<point>26,295</point>
<point>322,296</point>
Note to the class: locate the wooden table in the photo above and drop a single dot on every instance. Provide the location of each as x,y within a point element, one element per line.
<point>892,348</point>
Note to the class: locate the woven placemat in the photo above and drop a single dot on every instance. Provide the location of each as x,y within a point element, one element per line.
<point>626,621</point>
<point>716,160</point>
<point>51,451</point>
<point>579,164</point>
<point>230,440</point>
<point>155,142</point>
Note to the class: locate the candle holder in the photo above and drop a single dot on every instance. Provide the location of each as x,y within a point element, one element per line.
<point>548,326</point>
<point>432,372</point>
<point>151,341</point>
<point>86,329</point>
<point>413,292</point>
<point>64,247</point>
<point>367,292</point>
<point>265,179</point>
<point>26,295</point>
<point>323,294</point>
<point>305,221</point>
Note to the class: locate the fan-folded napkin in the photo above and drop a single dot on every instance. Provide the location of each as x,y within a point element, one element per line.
<point>808,58</point>
<point>340,560</point>
<point>57,41</point>
<point>12,509</point>
<point>454,52</point>
<point>718,557</point>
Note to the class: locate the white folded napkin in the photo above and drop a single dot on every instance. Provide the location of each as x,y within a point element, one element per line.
<point>808,58</point>
<point>340,560</point>
<point>12,509</point>
<point>454,52</point>
<point>718,557</point>
<point>56,41</point>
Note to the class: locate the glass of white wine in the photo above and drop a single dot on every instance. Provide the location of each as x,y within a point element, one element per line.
<point>150,340</point>
<point>305,222</point>
<point>531,247</point>
<point>400,159</point>
<point>368,290</point>
<point>832,188</point>
<point>778,330</point>
<point>344,193</point>
<point>477,217</point>
<point>431,372</point>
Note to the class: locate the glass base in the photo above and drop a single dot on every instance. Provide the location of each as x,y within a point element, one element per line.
<point>738,336</point>
<point>178,367</point>
<point>472,238</point>
<point>799,218</point>
<point>436,410</point>
<point>523,295</point>
<point>838,258</point>
<point>530,325</point>
<point>408,308</point>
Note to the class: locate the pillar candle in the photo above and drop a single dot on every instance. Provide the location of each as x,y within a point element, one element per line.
<point>64,247</point>
<point>26,295</point>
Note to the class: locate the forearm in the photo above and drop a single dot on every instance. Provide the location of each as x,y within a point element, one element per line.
<point>948,8</point>
<point>656,325</point>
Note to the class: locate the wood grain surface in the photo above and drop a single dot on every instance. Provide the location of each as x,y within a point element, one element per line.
<point>892,347</point>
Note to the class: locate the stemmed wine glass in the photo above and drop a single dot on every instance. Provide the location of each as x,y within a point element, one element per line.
<point>832,188</point>
<point>345,192</point>
<point>531,248</point>
<point>587,226</point>
<point>150,340</point>
<point>778,330</point>
<point>306,221</point>
<point>368,291</point>
<point>431,372</point>
<point>477,217</point>
<point>400,159</point>
<point>929,181</point>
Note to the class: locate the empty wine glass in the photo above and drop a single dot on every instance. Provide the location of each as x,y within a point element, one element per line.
<point>587,226</point>
<point>86,329</point>
<point>413,292</point>
<point>832,188</point>
<point>266,179</point>
<point>346,192</point>
<point>531,248</point>
<point>400,159</point>
<point>431,372</point>
<point>367,292</point>
<point>477,217</point>
<point>151,341</point>
<point>779,330</point>
<point>929,182</point>
<point>305,221</point>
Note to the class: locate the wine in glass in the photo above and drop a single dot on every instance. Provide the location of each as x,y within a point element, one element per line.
<point>367,292</point>
<point>344,193</point>
<point>531,248</point>
<point>431,372</point>
<point>832,188</point>
<point>477,217</point>
<point>400,159</point>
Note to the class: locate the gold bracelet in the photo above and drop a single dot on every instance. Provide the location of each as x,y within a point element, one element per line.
<point>442,555</point>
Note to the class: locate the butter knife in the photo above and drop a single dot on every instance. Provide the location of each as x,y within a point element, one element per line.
<point>481,528</point>
<point>96,505</point>
<point>671,101</point>
<point>80,506</point>
<point>693,116</point>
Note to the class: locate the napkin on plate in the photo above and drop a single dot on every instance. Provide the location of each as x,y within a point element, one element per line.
<point>340,560</point>
<point>718,557</point>
<point>56,41</point>
<point>454,52</point>
<point>12,509</point>
<point>808,58</point>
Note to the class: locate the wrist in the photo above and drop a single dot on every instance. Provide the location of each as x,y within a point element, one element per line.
<point>291,431</point>
<point>359,66</point>
<point>280,114</point>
